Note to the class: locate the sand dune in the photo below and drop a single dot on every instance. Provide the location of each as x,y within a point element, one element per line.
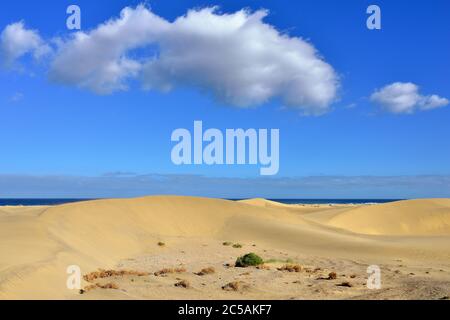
<point>413,217</point>
<point>38,243</point>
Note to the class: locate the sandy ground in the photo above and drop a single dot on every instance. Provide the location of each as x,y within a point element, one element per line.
<point>408,240</point>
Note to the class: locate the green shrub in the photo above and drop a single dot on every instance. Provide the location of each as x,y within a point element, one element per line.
<point>249,259</point>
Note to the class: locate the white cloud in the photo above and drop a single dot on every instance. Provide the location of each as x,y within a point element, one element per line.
<point>404,97</point>
<point>242,60</point>
<point>17,41</point>
<point>236,57</point>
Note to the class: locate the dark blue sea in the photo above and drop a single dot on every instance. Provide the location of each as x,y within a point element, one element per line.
<point>50,202</point>
<point>37,202</point>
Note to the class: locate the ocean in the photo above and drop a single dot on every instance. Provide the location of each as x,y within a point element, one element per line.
<point>52,202</point>
<point>334,201</point>
<point>37,202</point>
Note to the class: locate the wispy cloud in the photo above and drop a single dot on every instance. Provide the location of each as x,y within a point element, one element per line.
<point>16,97</point>
<point>129,185</point>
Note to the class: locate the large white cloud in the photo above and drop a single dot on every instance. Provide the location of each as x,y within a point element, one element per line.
<point>236,57</point>
<point>404,97</point>
<point>16,41</point>
<point>242,60</point>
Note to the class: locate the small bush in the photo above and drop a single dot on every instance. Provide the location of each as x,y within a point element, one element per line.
<point>332,276</point>
<point>161,244</point>
<point>227,243</point>
<point>237,245</point>
<point>250,259</point>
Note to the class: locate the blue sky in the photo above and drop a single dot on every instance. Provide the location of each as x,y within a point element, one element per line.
<point>55,129</point>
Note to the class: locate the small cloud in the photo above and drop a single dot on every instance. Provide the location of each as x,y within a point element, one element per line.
<point>404,97</point>
<point>16,97</point>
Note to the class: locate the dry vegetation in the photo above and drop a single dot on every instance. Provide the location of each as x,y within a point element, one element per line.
<point>332,276</point>
<point>183,284</point>
<point>166,271</point>
<point>205,271</point>
<point>235,286</point>
<point>345,284</point>
<point>101,274</point>
<point>110,285</point>
<point>250,259</point>
<point>291,268</point>
<point>263,267</point>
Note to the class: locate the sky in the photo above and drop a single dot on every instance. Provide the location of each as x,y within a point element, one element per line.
<point>361,113</point>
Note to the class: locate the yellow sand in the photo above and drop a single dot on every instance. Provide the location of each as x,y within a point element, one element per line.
<point>37,244</point>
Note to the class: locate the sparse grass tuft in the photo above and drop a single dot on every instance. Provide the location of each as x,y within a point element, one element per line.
<point>250,259</point>
<point>161,244</point>
<point>88,288</point>
<point>263,267</point>
<point>205,271</point>
<point>101,274</point>
<point>183,284</point>
<point>110,285</point>
<point>166,271</point>
<point>227,243</point>
<point>345,284</point>
<point>237,245</point>
<point>291,268</point>
<point>234,286</point>
<point>287,261</point>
